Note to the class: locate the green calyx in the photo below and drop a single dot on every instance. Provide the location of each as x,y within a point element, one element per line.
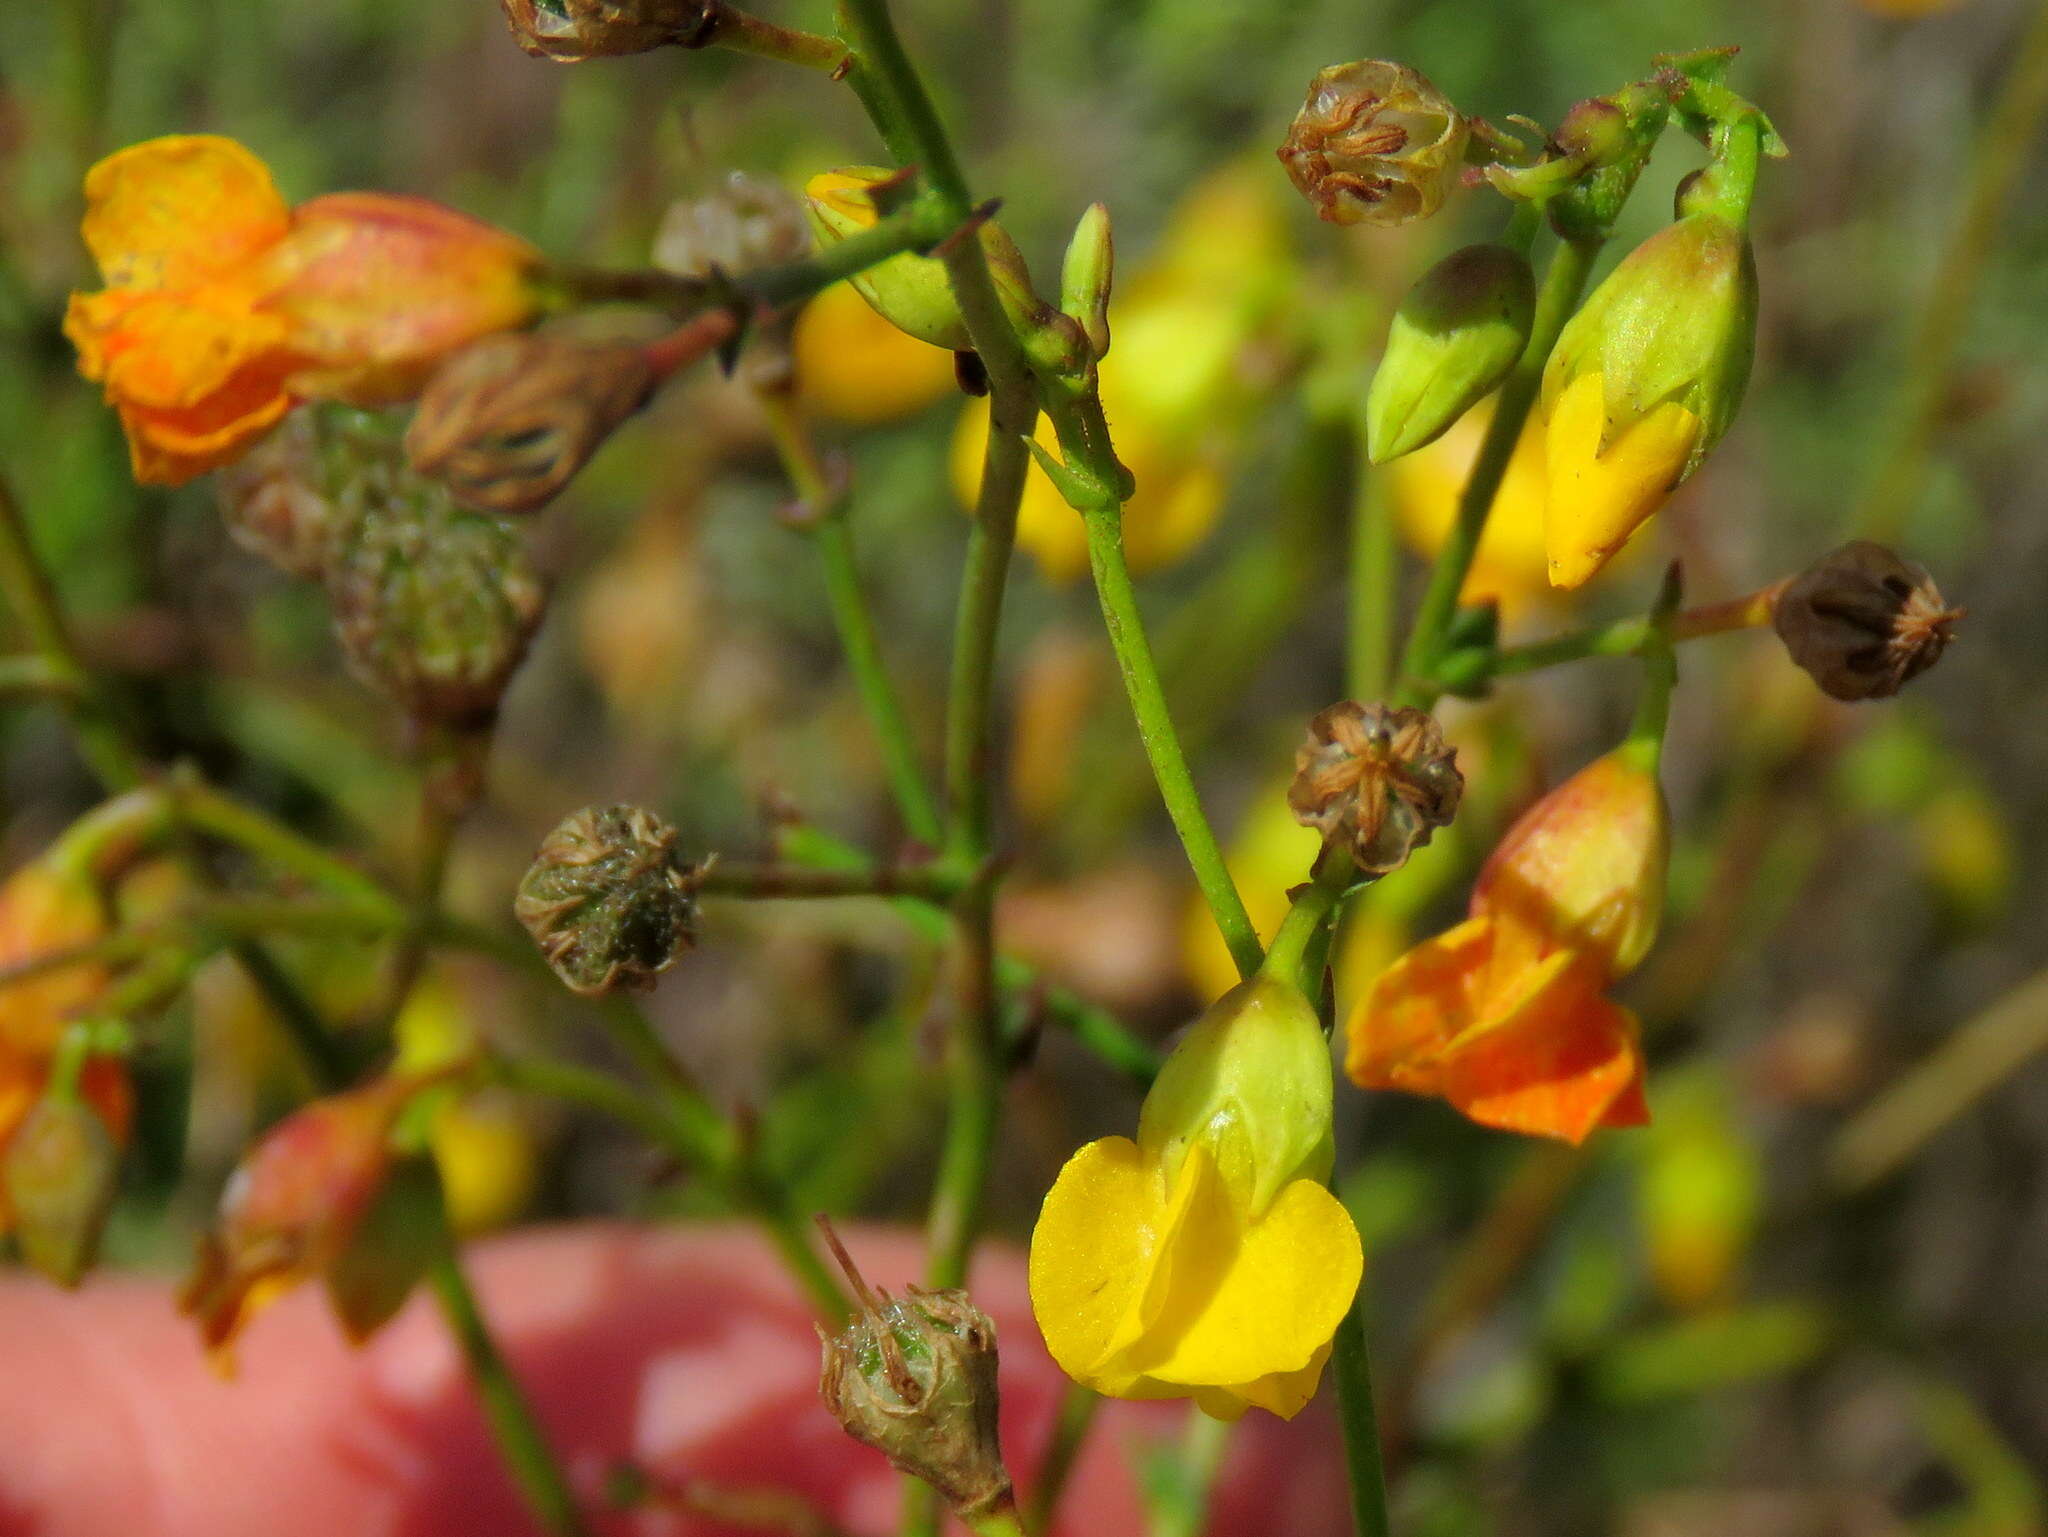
<point>1251,1081</point>
<point>1455,337</point>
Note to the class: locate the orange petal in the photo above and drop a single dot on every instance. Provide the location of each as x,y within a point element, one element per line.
<point>1422,1002</point>
<point>171,212</point>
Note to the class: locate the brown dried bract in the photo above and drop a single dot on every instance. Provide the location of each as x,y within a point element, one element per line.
<point>1864,622</point>
<point>570,31</point>
<point>1374,143</point>
<point>1378,780</point>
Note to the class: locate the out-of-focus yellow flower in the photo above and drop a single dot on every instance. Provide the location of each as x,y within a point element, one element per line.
<point>1207,1259</point>
<point>483,1146</point>
<point>1699,1191</point>
<point>1966,845</point>
<point>1504,1015</point>
<point>1510,566</point>
<point>853,365</point>
<point>224,307</point>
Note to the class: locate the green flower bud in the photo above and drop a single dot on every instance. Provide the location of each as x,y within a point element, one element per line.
<point>432,604</point>
<point>1250,1081</point>
<point>59,1173</point>
<point>1085,277</point>
<point>607,900</point>
<point>916,1380</point>
<point>909,291</point>
<point>1459,332</point>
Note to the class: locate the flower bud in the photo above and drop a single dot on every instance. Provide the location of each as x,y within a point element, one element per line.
<point>275,501</point>
<point>1250,1081</point>
<point>1086,274</point>
<point>1644,381</point>
<point>59,1173</point>
<point>570,31</point>
<point>1863,622</point>
<point>607,900</point>
<point>1378,781</point>
<point>433,605</point>
<point>748,222</point>
<point>1584,866</point>
<point>293,1205</point>
<point>916,1380</point>
<point>505,424</point>
<point>1453,340</point>
<point>912,292</point>
<point>1375,143</point>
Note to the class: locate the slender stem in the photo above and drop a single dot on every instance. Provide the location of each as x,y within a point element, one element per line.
<point>735,878</point>
<point>518,1434</point>
<point>574,1084</point>
<point>825,519</point>
<point>1003,1522</point>
<point>1307,918</point>
<point>970,708</point>
<point>974,1073</point>
<point>727,26</point>
<point>1570,266</point>
<point>1140,671</point>
<point>1627,637</point>
<point>208,810</point>
<point>2009,142</point>
<point>1078,1407</point>
<point>34,675</point>
<point>1203,1445</point>
<point>1352,1368</point>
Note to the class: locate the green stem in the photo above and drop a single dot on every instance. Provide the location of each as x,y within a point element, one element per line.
<point>974,1074</point>
<point>34,675</point>
<point>831,534</point>
<point>726,26</point>
<point>1078,1407</point>
<point>1004,1522</point>
<point>517,1432</point>
<point>735,878</point>
<point>208,810</point>
<point>573,1084</point>
<point>1570,266</point>
<point>1628,637</point>
<point>1362,1457</point>
<point>1313,907</point>
<point>1203,1445</point>
<point>970,706</point>
<point>1104,525</point>
<point>2002,154</point>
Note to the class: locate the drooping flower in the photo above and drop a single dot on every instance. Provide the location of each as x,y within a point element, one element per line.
<point>1506,1015</point>
<point>1207,1259</point>
<point>224,307</point>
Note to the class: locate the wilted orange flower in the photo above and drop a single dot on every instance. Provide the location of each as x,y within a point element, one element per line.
<point>224,307</point>
<point>1505,1015</point>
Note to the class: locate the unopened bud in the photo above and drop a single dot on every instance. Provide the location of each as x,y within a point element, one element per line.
<point>1376,781</point>
<point>275,499</point>
<point>608,901</point>
<point>748,222</point>
<point>570,31</point>
<point>1086,274</point>
<point>432,604</point>
<point>59,1173</point>
<point>1863,622</point>
<point>506,423</point>
<point>916,1380</point>
<point>1375,143</point>
<point>1455,337</point>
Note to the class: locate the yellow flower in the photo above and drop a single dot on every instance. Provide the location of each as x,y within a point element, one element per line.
<point>224,307</point>
<point>1207,1259</point>
<point>1598,496</point>
<point>853,365</point>
<point>483,1146</point>
<point>1510,566</point>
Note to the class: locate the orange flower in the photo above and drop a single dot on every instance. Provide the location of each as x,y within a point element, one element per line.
<point>1505,1016</point>
<point>224,308</point>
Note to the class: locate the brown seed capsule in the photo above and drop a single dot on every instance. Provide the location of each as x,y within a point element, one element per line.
<point>916,1380</point>
<point>1863,622</point>
<point>1378,780</point>
<point>570,31</point>
<point>506,423</point>
<point>607,900</point>
<point>275,499</point>
<point>1375,143</point>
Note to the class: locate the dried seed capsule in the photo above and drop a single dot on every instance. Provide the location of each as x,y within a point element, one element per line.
<point>916,1379</point>
<point>1378,780</point>
<point>1863,622</point>
<point>607,900</point>
<point>569,31</point>
<point>507,423</point>
<point>275,500</point>
<point>1375,143</point>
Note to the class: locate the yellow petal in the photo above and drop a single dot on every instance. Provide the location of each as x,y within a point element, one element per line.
<point>1091,1259</point>
<point>1597,497</point>
<point>854,366</point>
<point>175,211</point>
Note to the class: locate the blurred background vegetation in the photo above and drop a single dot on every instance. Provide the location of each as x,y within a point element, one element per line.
<point>1808,1300</point>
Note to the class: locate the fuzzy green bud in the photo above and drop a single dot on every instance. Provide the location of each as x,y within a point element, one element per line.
<point>1251,1082</point>
<point>608,901</point>
<point>1456,336</point>
<point>912,292</point>
<point>1086,274</point>
<point>59,1174</point>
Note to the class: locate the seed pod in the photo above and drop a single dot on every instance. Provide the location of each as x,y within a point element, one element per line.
<point>570,31</point>
<point>506,424</point>
<point>1375,143</point>
<point>275,500</point>
<point>607,900</point>
<point>1453,340</point>
<point>916,1380</point>
<point>1863,622</point>
<point>1379,781</point>
<point>59,1173</point>
<point>432,604</point>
